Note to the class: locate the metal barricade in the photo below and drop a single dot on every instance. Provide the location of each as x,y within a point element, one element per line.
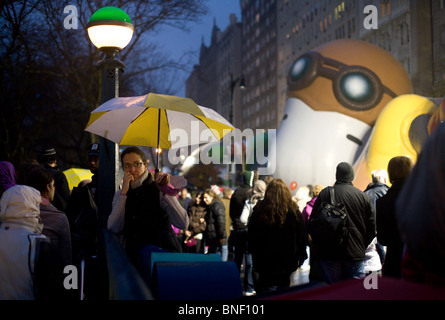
<point>125,282</point>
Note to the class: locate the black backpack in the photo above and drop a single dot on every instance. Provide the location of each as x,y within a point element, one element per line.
<point>328,225</point>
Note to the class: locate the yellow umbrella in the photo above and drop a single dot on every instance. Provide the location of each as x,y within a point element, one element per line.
<point>76,175</point>
<point>151,119</point>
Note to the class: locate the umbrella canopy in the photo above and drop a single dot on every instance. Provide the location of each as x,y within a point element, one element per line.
<point>149,120</point>
<point>76,175</point>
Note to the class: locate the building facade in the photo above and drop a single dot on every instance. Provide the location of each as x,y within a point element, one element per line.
<point>210,84</point>
<point>259,62</point>
<point>276,32</point>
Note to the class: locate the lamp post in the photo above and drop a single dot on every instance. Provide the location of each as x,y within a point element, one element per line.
<point>233,83</point>
<point>242,86</point>
<point>110,30</point>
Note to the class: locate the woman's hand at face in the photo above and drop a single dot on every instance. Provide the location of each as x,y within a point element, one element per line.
<point>127,180</point>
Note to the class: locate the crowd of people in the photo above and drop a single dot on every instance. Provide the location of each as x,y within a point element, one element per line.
<point>394,227</point>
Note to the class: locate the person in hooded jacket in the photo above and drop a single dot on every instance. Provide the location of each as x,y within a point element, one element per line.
<point>7,176</point>
<point>20,219</point>
<point>348,260</point>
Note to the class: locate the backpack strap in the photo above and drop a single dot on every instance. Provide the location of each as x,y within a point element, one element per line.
<point>332,195</point>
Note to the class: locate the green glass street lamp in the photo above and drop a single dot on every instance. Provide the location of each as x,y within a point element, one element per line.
<point>110,29</point>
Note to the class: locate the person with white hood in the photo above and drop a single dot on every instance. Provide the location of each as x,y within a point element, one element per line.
<point>20,219</point>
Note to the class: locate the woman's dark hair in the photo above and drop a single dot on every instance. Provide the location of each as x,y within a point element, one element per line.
<point>277,202</point>
<point>399,168</point>
<point>39,178</point>
<point>136,150</point>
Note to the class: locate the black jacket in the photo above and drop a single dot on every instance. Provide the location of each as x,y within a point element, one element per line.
<point>388,232</point>
<point>277,250</point>
<point>360,223</point>
<point>82,215</point>
<point>237,201</point>
<point>146,222</point>
<point>62,194</point>
<point>216,222</point>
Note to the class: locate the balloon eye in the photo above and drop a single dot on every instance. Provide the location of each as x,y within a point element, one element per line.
<point>357,87</point>
<point>299,68</point>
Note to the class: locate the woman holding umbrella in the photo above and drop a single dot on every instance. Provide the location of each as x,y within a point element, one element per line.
<point>141,211</point>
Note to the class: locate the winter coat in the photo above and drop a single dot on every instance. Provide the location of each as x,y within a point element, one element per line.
<point>216,223</point>
<point>20,220</point>
<point>420,209</point>
<point>306,213</point>
<point>62,194</point>
<point>247,210</point>
<point>146,222</point>
<point>276,250</point>
<point>226,202</point>
<point>376,191</point>
<point>145,216</point>
<point>387,232</point>
<point>83,219</point>
<point>196,213</point>
<point>57,228</point>
<point>185,203</point>
<point>237,202</point>
<point>360,221</point>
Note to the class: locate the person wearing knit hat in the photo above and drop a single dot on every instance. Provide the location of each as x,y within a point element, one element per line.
<point>46,154</point>
<point>344,172</point>
<point>348,260</point>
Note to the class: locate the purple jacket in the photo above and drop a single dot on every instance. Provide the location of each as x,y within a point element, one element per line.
<point>7,175</point>
<point>306,213</point>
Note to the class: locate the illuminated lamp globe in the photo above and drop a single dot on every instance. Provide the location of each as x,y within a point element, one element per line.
<point>110,28</point>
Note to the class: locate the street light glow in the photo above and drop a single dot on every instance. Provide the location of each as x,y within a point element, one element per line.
<point>110,36</point>
<point>110,27</point>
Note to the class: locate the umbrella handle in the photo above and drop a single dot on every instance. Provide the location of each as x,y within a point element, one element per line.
<point>157,150</point>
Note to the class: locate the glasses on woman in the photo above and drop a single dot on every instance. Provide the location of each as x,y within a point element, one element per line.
<point>355,87</point>
<point>135,165</point>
